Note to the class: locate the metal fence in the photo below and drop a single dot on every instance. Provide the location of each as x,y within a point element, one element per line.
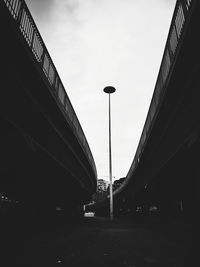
<point>24,21</point>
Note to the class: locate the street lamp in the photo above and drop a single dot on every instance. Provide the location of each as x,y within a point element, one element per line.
<point>109,90</point>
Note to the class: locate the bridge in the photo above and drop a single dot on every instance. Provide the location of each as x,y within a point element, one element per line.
<point>164,174</point>
<point>45,158</point>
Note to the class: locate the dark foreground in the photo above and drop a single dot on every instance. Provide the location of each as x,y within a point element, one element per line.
<point>97,242</point>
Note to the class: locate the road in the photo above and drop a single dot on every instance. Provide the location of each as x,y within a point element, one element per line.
<point>97,242</point>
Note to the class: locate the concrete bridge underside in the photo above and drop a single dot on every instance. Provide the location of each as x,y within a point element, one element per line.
<point>168,172</point>
<point>41,158</point>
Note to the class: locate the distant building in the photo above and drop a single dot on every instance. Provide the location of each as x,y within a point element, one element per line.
<point>101,193</point>
<point>102,185</point>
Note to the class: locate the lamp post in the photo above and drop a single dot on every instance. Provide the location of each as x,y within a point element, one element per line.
<point>109,90</point>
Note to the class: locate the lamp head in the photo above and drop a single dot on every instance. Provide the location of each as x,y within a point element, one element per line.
<point>109,89</point>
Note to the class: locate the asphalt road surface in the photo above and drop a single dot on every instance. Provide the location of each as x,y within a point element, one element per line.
<point>98,242</point>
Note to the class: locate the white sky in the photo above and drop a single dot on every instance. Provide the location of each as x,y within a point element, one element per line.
<point>95,43</point>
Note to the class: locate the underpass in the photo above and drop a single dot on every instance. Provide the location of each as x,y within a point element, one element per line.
<point>47,163</point>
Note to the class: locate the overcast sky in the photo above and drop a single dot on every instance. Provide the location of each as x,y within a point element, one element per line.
<point>95,43</point>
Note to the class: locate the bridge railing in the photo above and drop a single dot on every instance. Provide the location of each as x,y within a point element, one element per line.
<point>180,16</point>
<point>24,21</point>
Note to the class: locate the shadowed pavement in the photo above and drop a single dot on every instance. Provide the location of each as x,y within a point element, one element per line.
<point>98,242</point>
